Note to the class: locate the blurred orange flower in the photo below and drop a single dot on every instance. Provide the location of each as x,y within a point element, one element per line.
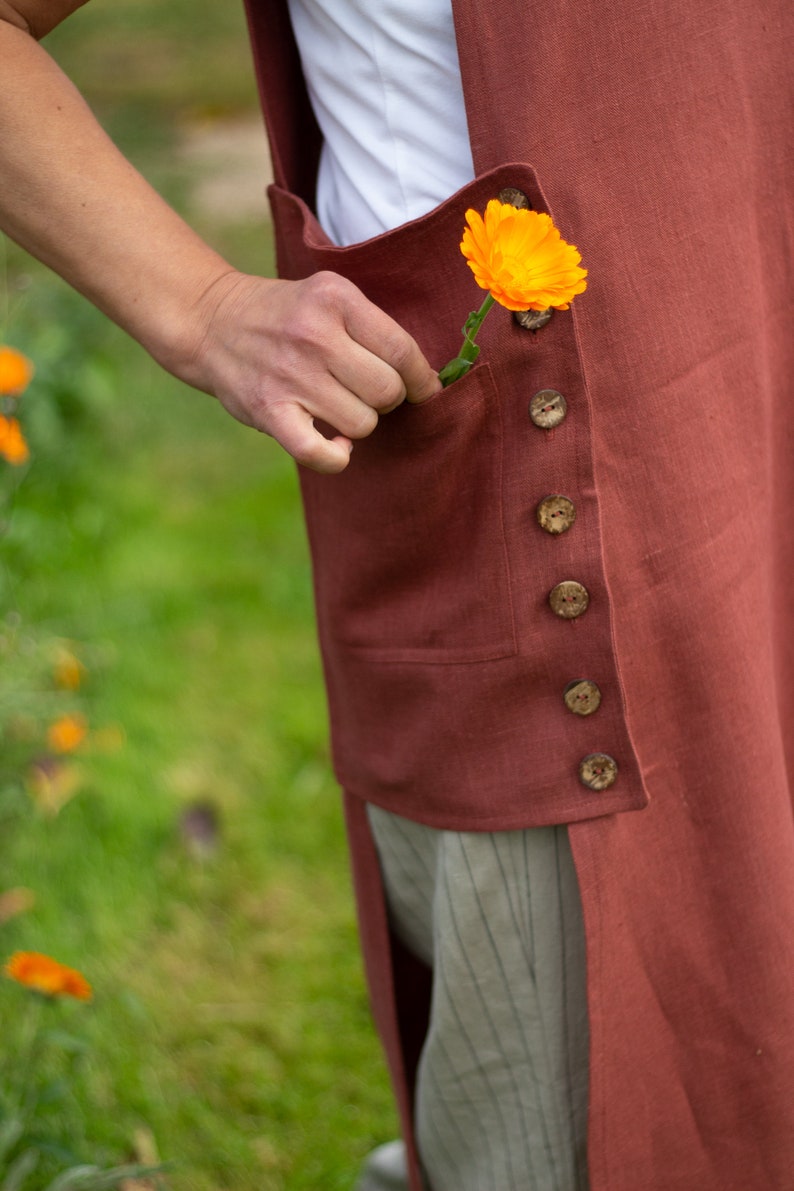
<point>16,372</point>
<point>13,447</point>
<point>67,733</point>
<point>521,259</point>
<point>45,975</point>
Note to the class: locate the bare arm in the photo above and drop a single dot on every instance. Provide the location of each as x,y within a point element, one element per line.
<point>275,353</point>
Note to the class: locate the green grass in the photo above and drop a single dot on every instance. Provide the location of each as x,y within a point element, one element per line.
<point>165,540</point>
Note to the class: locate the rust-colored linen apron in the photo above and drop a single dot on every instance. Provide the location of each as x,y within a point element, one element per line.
<point>658,137</point>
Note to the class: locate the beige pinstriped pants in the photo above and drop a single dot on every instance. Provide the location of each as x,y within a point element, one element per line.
<point>502,1083</point>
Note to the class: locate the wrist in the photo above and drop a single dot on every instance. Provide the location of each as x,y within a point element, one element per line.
<point>176,334</point>
<point>200,348</point>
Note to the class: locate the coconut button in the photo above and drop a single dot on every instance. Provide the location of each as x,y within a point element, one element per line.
<point>598,771</point>
<point>556,514</point>
<point>569,599</point>
<point>548,409</point>
<point>582,696</point>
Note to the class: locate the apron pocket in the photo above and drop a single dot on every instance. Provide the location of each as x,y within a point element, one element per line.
<point>408,542</point>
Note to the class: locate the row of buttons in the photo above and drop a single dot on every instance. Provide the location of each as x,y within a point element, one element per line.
<point>556,514</point>
<point>569,599</point>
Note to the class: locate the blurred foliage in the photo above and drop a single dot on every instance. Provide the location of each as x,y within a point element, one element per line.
<point>145,66</point>
<point>162,543</point>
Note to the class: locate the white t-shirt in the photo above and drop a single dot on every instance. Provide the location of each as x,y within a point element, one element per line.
<point>384,81</point>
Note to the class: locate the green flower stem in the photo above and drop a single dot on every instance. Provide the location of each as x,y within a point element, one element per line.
<point>469,351</point>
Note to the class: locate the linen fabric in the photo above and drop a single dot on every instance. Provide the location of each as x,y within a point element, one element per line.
<point>658,138</point>
<point>431,574</point>
<point>502,1079</point>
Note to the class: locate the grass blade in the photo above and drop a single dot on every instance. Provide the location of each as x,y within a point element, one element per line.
<point>19,1170</point>
<point>10,1133</point>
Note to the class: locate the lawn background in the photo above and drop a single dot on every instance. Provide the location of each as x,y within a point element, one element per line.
<point>163,542</point>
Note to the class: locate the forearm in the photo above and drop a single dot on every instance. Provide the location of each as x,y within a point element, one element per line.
<point>277,354</point>
<point>71,199</point>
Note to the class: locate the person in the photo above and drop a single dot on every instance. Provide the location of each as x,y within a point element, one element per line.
<point>571,836</point>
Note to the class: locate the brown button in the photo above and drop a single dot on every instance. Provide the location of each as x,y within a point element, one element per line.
<point>555,514</point>
<point>515,197</point>
<point>582,696</point>
<point>598,771</point>
<point>548,408</point>
<point>569,599</point>
<point>533,320</point>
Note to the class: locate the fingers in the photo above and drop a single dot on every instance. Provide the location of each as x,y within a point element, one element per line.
<point>347,364</point>
<point>293,428</point>
<point>279,354</point>
<point>359,372</point>
<point>388,343</point>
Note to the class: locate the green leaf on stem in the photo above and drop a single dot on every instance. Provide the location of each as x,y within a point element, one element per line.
<point>469,351</point>
<point>454,370</point>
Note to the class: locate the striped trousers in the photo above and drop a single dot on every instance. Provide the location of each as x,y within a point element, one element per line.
<point>502,1083</point>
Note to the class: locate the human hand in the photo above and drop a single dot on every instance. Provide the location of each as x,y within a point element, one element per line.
<point>278,354</point>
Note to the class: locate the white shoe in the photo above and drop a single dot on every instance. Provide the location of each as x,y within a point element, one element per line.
<point>385,1169</point>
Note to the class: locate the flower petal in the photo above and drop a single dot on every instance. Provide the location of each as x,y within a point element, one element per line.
<point>520,258</point>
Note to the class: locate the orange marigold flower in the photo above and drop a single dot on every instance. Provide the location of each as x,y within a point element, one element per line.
<point>16,372</point>
<point>521,258</point>
<point>13,447</point>
<point>47,976</point>
<point>67,733</point>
